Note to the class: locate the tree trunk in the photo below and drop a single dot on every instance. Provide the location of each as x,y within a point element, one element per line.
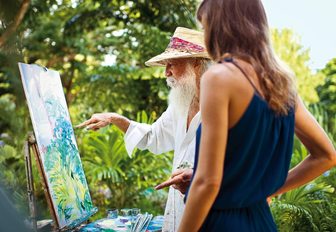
<point>17,21</point>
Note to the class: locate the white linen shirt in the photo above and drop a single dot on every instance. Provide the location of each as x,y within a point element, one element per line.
<point>168,133</point>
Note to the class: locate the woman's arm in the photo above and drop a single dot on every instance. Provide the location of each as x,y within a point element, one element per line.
<point>215,93</point>
<point>322,155</point>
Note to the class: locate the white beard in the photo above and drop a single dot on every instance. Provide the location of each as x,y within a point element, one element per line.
<point>182,91</point>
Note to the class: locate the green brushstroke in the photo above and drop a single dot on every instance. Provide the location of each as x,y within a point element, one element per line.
<point>63,167</point>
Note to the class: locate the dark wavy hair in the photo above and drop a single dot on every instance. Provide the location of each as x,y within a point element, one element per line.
<point>239,28</point>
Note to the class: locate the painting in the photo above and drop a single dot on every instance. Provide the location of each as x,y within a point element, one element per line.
<point>61,164</point>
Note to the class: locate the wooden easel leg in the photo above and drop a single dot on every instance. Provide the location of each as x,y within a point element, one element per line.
<point>30,185</point>
<point>32,145</point>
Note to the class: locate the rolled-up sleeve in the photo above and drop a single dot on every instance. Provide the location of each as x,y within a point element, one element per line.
<point>157,138</point>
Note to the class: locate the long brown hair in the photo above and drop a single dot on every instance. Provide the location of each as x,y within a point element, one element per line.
<point>240,28</point>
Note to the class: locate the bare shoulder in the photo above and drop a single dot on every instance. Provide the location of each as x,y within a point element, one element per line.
<point>219,76</point>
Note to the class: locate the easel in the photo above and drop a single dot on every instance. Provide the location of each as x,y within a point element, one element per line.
<point>31,145</point>
<point>32,82</point>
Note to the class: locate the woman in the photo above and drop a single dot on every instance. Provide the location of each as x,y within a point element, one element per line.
<point>250,112</point>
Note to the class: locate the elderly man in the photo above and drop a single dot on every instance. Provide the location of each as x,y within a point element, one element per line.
<point>185,60</point>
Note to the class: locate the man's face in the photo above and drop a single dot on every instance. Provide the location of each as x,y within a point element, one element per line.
<point>181,78</point>
<point>176,68</point>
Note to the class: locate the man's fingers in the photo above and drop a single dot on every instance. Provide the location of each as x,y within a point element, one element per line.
<point>168,183</point>
<point>86,123</point>
<point>96,126</point>
<point>178,177</point>
<point>177,172</point>
<point>187,176</point>
<point>82,124</point>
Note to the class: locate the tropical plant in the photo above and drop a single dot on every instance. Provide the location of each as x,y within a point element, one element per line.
<point>11,162</point>
<point>74,37</point>
<point>303,208</point>
<point>119,181</point>
<point>327,95</point>
<point>311,207</point>
<point>326,119</point>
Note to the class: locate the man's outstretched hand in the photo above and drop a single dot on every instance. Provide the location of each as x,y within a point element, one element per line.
<point>180,180</point>
<point>97,121</point>
<point>101,120</point>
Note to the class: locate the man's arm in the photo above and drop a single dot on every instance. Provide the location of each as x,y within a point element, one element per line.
<point>158,137</point>
<point>101,120</point>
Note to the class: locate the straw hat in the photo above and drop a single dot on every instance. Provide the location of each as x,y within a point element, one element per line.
<point>185,43</point>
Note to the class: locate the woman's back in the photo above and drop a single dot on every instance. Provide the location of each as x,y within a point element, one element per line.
<point>259,143</point>
<point>257,157</point>
<point>246,145</point>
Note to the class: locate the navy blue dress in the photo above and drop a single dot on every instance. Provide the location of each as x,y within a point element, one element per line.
<point>257,160</point>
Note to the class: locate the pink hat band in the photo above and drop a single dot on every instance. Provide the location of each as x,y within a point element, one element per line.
<point>183,46</point>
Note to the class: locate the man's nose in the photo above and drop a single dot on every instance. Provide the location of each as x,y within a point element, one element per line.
<point>168,71</point>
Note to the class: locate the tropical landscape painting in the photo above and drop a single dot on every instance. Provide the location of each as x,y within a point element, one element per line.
<point>57,146</point>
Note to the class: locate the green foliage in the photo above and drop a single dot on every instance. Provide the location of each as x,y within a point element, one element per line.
<point>303,208</point>
<point>328,89</point>
<point>116,180</point>
<point>327,93</point>
<point>299,152</point>
<point>10,166</point>
<point>121,92</point>
<point>311,207</point>
<point>12,174</point>
<point>287,46</point>
<point>326,119</point>
<point>13,121</point>
<point>74,37</point>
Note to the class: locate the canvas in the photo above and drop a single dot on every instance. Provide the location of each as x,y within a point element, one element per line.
<point>61,164</point>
